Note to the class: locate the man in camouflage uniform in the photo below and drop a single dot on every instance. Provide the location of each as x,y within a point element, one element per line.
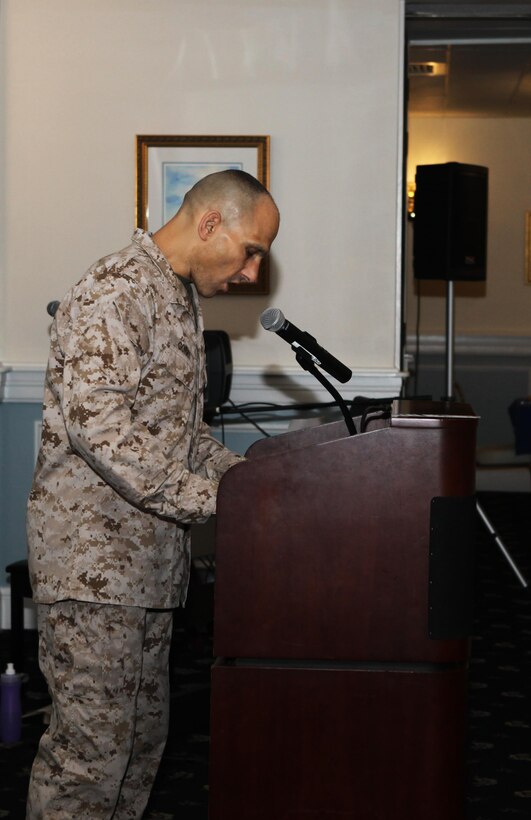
<point>126,465</point>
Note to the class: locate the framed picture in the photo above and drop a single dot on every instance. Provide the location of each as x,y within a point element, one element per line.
<point>168,166</point>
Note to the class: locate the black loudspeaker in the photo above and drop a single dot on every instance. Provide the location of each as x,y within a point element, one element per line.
<point>450,226</point>
<point>219,371</point>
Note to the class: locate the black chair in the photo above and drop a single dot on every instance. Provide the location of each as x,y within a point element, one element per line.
<point>520,415</point>
<point>20,589</point>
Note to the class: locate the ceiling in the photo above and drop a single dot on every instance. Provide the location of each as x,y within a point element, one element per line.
<point>487,80</point>
<point>480,66</point>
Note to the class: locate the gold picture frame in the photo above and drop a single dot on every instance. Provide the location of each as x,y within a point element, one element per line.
<point>168,166</point>
<point>527,260</point>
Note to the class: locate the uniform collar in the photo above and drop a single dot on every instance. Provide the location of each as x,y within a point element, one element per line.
<point>144,240</point>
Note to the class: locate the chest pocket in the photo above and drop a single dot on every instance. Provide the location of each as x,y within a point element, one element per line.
<point>178,347</point>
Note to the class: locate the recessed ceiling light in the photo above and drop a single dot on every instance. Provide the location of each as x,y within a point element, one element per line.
<point>426,69</point>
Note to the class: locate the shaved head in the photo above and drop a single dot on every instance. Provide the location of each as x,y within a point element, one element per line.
<point>234,192</point>
<point>221,232</point>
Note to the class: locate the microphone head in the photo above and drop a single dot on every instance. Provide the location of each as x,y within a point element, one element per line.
<point>272,319</point>
<point>51,308</point>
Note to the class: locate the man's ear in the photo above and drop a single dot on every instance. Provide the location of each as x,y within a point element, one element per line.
<point>208,224</point>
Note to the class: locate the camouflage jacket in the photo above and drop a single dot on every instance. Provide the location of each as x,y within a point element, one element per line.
<point>126,462</point>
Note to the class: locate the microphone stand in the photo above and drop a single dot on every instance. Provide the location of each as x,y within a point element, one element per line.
<point>306,361</point>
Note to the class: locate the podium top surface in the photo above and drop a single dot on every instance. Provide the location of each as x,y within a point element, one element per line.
<point>401,413</point>
<point>413,408</point>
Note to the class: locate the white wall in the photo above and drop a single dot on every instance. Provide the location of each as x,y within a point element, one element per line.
<point>502,305</point>
<point>320,76</point>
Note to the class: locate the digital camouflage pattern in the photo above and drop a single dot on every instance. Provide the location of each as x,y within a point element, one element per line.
<point>99,757</point>
<point>126,462</point>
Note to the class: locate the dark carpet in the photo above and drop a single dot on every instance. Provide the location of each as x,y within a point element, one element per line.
<point>498,750</point>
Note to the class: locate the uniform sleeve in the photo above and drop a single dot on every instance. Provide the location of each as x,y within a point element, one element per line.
<point>213,458</point>
<point>104,355</point>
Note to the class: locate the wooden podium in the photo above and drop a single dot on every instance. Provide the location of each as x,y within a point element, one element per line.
<point>342,614</point>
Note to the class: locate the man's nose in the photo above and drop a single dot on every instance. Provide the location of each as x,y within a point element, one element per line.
<point>252,269</point>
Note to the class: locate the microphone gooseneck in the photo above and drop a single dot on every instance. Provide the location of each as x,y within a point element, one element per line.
<point>309,354</point>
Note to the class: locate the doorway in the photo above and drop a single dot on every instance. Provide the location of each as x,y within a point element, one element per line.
<point>469,101</point>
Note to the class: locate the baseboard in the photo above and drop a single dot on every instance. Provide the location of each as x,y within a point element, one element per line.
<point>25,384</point>
<point>478,346</point>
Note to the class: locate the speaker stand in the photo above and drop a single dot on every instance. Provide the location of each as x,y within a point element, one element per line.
<point>450,339</point>
<point>450,335</point>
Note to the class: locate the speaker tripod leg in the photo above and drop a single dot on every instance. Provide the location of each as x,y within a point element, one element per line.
<point>500,544</point>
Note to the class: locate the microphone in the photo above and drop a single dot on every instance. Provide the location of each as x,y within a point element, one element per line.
<point>51,308</point>
<point>273,319</point>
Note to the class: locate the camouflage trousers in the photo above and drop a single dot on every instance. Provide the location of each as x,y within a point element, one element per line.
<point>107,671</point>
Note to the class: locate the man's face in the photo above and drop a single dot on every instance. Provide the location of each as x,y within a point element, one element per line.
<point>234,251</point>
